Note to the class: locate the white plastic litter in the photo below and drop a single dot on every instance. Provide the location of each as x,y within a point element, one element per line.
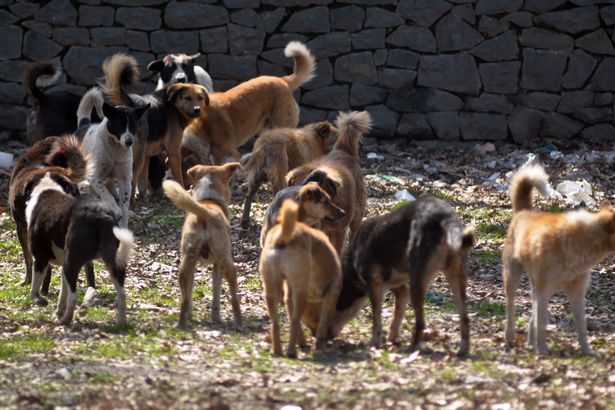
<point>484,148</point>
<point>404,195</point>
<point>576,192</point>
<point>556,154</point>
<point>6,159</point>
<point>373,155</point>
<point>493,177</point>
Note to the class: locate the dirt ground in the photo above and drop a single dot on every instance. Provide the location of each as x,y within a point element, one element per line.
<point>149,364</point>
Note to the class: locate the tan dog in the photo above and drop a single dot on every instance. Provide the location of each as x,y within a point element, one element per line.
<point>279,150</point>
<point>301,262</point>
<point>557,250</point>
<point>339,173</point>
<point>206,235</point>
<point>243,111</point>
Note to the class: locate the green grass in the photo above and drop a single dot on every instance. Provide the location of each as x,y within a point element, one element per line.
<point>252,283</point>
<point>167,220</point>
<point>487,254</point>
<point>491,231</point>
<point>125,346</point>
<point>18,347</point>
<point>441,195</point>
<point>488,309</point>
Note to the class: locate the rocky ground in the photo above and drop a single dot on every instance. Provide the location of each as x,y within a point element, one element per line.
<point>150,364</point>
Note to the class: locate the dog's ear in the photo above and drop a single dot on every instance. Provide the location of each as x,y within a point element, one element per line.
<point>196,172</point>
<point>108,110</point>
<point>156,66</point>
<point>204,94</point>
<point>311,192</point>
<point>194,56</point>
<point>174,91</point>
<point>323,128</point>
<point>321,178</point>
<point>141,110</point>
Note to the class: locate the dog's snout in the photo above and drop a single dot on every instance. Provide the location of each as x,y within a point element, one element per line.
<point>336,214</point>
<point>180,79</point>
<point>128,142</point>
<point>197,109</point>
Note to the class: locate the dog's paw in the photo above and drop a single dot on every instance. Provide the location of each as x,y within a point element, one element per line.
<point>64,321</point>
<point>291,354</point>
<point>40,301</point>
<point>182,325</point>
<point>91,298</point>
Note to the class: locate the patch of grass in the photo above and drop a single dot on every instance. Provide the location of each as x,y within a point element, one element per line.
<point>399,205</point>
<point>487,255</point>
<point>491,231</point>
<point>488,309</point>
<point>123,347</point>
<point>103,378</point>
<point>555,207</point>
<point>441,195</point>
<point>20,346</point>
<point>157,296</point>
<point>252,283</point>
<point>168,220</point>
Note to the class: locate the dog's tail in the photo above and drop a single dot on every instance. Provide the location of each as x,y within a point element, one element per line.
<point>93,98</point>
<point>68,153</point>
<point>126,239</point>
<point>524,180</point>
<point>43,73</point>
<point>351,126</point>
<point>459,238</point>
<point>289,214</point>
<point>182,199</point>
<point>305,64</point>
<point>120,70</point>
<point>253,161</point>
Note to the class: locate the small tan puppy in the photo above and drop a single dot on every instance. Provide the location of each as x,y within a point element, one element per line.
<point>557,250</point>
<point>279,150</point>
<point>339,173</point>
<point>206,235</point>
<point>300,262</point>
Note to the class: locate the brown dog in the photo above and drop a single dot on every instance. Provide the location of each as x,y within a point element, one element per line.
<point>243,111</point>
<point>206,235</point>
<point>339,173</point>
<point>279,150</point>
<point>557,250</point>
<point>301,262</point>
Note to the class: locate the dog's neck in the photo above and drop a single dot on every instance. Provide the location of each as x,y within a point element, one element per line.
<point>204,190</point>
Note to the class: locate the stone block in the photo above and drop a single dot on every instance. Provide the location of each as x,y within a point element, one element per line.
<point>38,26</point>
<point>600,99</point>
<point>23,9</point>
<point>491,27</point>
<point>6,18</point>
<point>240,68</point>
<point>453,72</point>
<point>607,14</point>
<point>596,42</point>
<point>108,36</point>
<point>10,46</point>
<point>401,58</point>
<point>524,124</point>
<point>163,41</point>
<point>422,12</point>
<point>376,17</point>
<point>214,40</point>
<point>542,70</point>
<point>445,124</point>
<point>593,115</point>
<point>519,19</point>
<point>37,47</point>
<point>424,100</point>
<point>12,70</point>
<point>280,40</point>
<point>545,39</point>
<point>415,126</point>
<point>59,12</point>
<point>349,18</point>
<point>384,121</point>
<point>465,12</point>
<point>137,40</point>
<point>13,117</point>
<point>272,19</point>
<point>330,44</point>
<point>539,100</point>
<point>454,34</point>
<point>482,127</point>
<point>361,95</point>
<point>500,48</point>
<point>580,68</point>
<point>240,4</point>
<point>311,20</point>
<point>277,56</point>
<point>12,93</point>
<point>83,64</point>
<point>356,68</point>
<point>396,78</point>
<point>247,17</point>
<point>72,36</point>
<point>490,103</point>
<point>94,16</point>
<point>571,101</point>
<point>266,68</point>
<point>369,39</point>
<point>497,6</point>
<point>575,20</point>
<point>245,40</point>
<point>309,115</point>
<point>182,15</point>
<point>599,132</point>
<point>380,57</point>
<point>140,18</point>
<point>323,77</point>
<point>501,78</point>
<point>334,97</point>
<point>542,6</point>
<point>603,79</point>
<point>414,38</point>
<point>557,125</point>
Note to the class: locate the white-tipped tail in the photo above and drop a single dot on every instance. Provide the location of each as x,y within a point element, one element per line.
<point>305,64</point>
<point>49,80</point>
<point>526,178</point>
<point>351,127</point>
<point>126,239</point>
<point>93,98</point>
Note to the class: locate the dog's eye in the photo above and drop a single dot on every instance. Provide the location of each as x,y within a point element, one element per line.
<point>200,98</point>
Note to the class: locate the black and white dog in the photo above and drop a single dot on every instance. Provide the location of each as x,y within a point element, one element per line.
<point>70,230</point>
<point>109,145</point>
<point>180,68</point>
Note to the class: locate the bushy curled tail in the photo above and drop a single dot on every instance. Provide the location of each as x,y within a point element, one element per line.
<point>523,181</point>
<point>305,64</point>
<point>289,215</point>
<point>120,70</point>
<point>43,73</point>
<point>182,199</point>
<point>93,98</point>
<point>126,239</point>
<point>68,153</point>
<point>351,126</point>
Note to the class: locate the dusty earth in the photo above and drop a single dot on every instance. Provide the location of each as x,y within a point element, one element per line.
<point>149,364</point>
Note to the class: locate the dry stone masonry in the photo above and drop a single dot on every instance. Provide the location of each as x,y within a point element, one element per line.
<point>454,70</point>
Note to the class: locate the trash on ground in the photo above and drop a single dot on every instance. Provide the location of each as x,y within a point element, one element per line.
<point>546,149</point>
<point>6,160</point>
<point>484,148</point>
<point>387,178</point>
<point>373,155</point>
<point>404,195</point>
<point>576,193</point>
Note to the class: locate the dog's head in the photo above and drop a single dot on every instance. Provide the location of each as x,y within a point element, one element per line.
<point>213,178</point>
<point>324,180</point>
<point>317,203</point>
<point>326,133</point>
<point>175,68</point>
<point>122,122</point>
<point>189,99</point>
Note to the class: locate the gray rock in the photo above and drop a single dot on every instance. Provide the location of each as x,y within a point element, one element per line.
<point>422,12</point>
<point>490,103</point>
<point>453,72</point>
<point>96,16</point>
<point>224,85</point>
<point>500,77</point>
<point>356,68</point>
<point>593,115</point>
<point>539,100</point>
<point>333,97</point>
<point>415,38</point>
<point>445,125</point>
<point>272,19</point>
<point>542,70</point>
<point>524,124</point>
<point>580,67</point>
<point>542,6</point>
<point>247,17</point>
<point>214,40</point>
<point>83,64</point>
<point>482,127</point>
<point>549,40</point>
<point>361,95</point>
<point>573,100</point>
<point>38,26</point>
<point>349,18</point>
<point>502,47</point>
<point>519,19</point>
<point>608,15</point>
<point>600,99</point>
<point>380,57</point>
<point>141,18</point>
<point>280,40</point>
<point>384,120</point>
<point>603,79</point>
<point>245,40</point>
<point>369,39</point>
<point>311,20</point>
<point>37,47</point>
<point>6,18</point>
<point>277,56</point>
<point>330,44</point>
<point>12,93</point>
<point>572,21</point>
<point>415,126</point>
<point>600,131</point>
<point>596,42</point>
<point>58,12</point>
<point>192,15</point>
<point>402,58</point>
<point>240,68</point>
<point>497,6</point>
<point>424,100</point>
<point>13,117</point>
<point>302,3</point>
<point>137,40</point>
<point>376,17</point>
<point>557,125</point>
<point>12,70</point>
<point>323,77</point>
<point>266,68</point>
<point>23,9</point>
<point>465,12</point>
<point>454,34</point>
<point>163,41</point>
<point>396,79</point>
<point>371,2</point>
<point>136,2</point>
<point>492,27</point>
<point>108,36</point>
<point>72,36</point>
<point>310,115</point>
<point>238,4</point>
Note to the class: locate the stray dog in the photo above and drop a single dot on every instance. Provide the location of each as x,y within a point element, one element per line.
<point>180,68</point>
<point>206,235</point>
<point>339,173</point>
<point>301,263</point>
<point>314,205</point>
<point>70,230</point>
<point>108,144</point>
<point>279,150</point>
<point>557,250</point>
<point>51,113</point>
<point>232,117</point>
<point>402,251</point>
<point>172,108</point>
<point>62,155</point>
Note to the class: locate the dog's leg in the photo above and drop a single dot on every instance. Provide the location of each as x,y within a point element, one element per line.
<point>176,166</point>
<point>326,310</point>
<point>531,331</point>
<point>511,274</point>
<point>230,273</point>
<point>375,297</point>
<point>46,282</point>
<point>299,301</point>
<point>303,344</point>
<point>125,200</point>
<point>22,235</point>
<point>100,189</point>
<point>61,307</point>
<point>247,203</point>
<point>40,270</point>
<point>456,277</point>
<point>216,284</point>
<point>576,296</point>
<point>402,295</point>
<point>541,318</point>
<point>91,294</point>
<point>272,296</point>
<point>417,297</point>
<point>121,297</point>
<point>70,271</point>
<point>186,282</point>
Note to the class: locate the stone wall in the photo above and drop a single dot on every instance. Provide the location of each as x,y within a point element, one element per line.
<point>455,69</point>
